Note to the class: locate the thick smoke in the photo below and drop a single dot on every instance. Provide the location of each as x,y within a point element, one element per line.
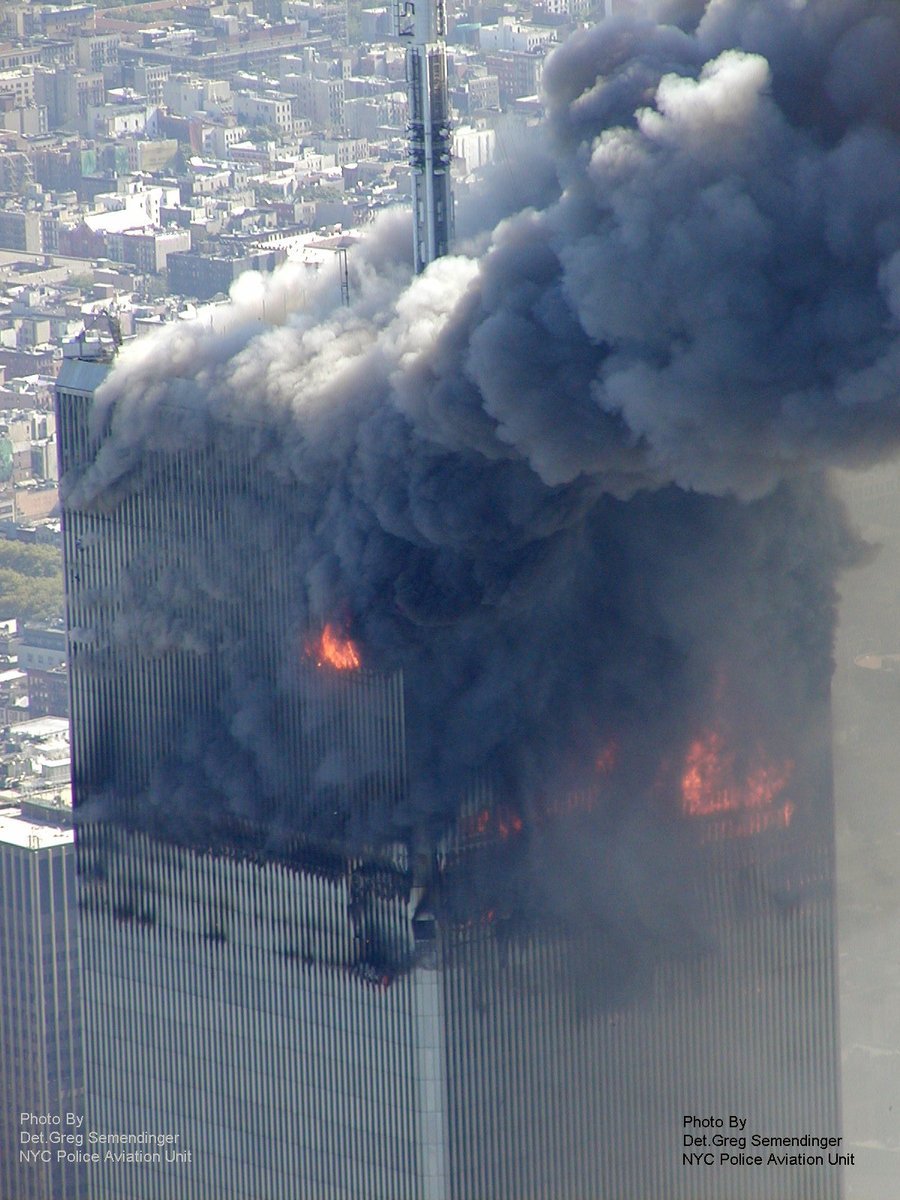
<point>572,482</point>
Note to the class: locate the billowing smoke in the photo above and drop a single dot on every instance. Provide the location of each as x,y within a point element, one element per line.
<point>573,481</point>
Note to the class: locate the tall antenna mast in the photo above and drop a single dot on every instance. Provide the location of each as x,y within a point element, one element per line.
<point>345,275</point>
<point>423,25</point>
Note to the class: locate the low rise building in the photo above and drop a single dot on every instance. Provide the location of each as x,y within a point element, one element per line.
<point>272,108</point>
<point>147,250</point>
<point>202,276</point>
<point>518,73</point>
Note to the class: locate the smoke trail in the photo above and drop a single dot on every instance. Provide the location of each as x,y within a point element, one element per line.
<point>572,482</point>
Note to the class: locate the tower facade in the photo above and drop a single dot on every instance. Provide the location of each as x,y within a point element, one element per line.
<point>331,1017</point>
<point>42,1067</point>
<point>248,1000</point>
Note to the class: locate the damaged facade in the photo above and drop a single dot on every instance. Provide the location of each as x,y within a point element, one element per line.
<point>319,990</point>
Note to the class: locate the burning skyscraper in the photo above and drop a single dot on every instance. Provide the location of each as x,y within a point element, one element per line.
<point>450,672</point>
<point>324,983</point>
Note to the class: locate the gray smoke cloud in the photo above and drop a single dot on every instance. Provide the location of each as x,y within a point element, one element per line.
<point>572,481</point>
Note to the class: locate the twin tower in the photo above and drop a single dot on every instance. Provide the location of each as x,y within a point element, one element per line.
<point>310,1017</point>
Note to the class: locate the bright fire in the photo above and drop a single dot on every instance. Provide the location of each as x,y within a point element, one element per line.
<point>333,650</point>
<point>711,782</point>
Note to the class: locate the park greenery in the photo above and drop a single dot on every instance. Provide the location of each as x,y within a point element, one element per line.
<point>31,583</point>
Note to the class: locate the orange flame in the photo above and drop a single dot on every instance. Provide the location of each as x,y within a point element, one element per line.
<point>711,782</point>
<point>476,825</point>
<point>508,824</point>
<point>503,822</point>
<point>333,650</point>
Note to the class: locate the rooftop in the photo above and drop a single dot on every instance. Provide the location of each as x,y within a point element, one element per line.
<point>15,830</point>
<point>42,727</point>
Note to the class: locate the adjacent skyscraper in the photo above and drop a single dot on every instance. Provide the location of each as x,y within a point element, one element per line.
<point>42,1067</point>
<point>337,1014</point>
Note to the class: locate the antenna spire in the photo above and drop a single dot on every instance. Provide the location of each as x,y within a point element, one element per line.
<point>423,25</point>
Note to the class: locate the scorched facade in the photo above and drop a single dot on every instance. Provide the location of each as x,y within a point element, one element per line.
<point>324,1018</point>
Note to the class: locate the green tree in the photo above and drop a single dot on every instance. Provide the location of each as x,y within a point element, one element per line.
<point>33,561</point>
<point>30,599</point>
<point>31,582</point>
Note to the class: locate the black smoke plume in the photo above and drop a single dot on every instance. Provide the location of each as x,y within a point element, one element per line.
<point>572,481</point>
